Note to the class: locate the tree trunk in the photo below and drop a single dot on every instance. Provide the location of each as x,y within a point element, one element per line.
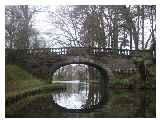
<point>115,30</point>
<point>142,27</point>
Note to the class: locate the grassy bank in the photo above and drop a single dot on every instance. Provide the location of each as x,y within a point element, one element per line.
<point>18,80</point>
<point>21,84</point>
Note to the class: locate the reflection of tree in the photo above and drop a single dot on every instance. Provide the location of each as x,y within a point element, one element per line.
<point>79,96</point>
<point>94,96</point>
<point>89,94</point>
<point>77,72</point>
<point>147,102</point>
<point>132,104</point>
<point>73,97</point>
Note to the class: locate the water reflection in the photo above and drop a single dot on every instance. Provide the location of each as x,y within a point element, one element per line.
<point>82,83</point>
<point>78,95</point>
<point>85,91</point>
<point>120,103</point>
<point>79,72</point>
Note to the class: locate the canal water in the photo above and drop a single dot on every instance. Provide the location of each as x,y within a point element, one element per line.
<point>88,100</point>
<point>87,97</point>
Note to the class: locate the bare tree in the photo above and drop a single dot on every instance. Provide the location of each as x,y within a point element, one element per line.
<point>66,26</point>
<point>18,26</point>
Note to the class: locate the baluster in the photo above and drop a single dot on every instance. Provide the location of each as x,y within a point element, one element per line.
<point>61,51</point>
<point>130,52</point>
<point>46,51</point>
<point>49,49</point>
<point>26,51</point>
<point>53,50</point>
<point>64,51</point>
<point>30,52</point>
<point>119,51</point>
<point>56,50</point>
<point>94,51</point>
<point>125,52</point>
<point>43,51</point>
<point>104,51</point>
<point>110,52</point>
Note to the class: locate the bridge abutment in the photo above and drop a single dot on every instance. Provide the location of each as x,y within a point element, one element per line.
<point>43,63</point>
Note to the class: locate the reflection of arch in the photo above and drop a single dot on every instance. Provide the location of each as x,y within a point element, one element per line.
<point>81,60</point>
<point>95,99</point>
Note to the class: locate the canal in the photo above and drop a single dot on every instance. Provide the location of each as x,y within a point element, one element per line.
<point>86,95</point>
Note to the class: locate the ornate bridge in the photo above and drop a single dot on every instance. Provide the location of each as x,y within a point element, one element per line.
<point>43,62</point>
<point>78,51</point>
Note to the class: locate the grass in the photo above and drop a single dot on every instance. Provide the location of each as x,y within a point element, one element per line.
<point>21,84</point>
<point>17,80</point>
<point>120,93</point>
<point>14,96</point>
<point>120,82</point>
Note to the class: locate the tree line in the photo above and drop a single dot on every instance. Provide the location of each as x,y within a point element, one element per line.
<point>103,26</point>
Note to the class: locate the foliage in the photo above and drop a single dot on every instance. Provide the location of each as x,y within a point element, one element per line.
<point>140,57</point>
<point>120,81</point>
<point>120,93</point>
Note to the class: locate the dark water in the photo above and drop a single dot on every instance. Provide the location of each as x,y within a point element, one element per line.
<point>88,100</point>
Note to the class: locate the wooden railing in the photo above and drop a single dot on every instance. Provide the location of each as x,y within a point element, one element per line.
<point>78,51</point>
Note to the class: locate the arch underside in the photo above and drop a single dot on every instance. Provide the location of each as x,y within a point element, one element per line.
<point>81,60</point>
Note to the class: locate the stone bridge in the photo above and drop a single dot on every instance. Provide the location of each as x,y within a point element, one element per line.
<point>43,62</point>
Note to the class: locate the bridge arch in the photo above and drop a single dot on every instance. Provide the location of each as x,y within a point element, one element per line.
<point>105,72</point>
